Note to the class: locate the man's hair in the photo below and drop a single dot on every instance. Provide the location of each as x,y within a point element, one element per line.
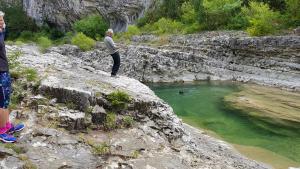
<point>2,13</point>
<point>109,31</point>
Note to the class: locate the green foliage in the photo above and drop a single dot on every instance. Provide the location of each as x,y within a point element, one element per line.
<point>262,19</point>
<point>293,13</point>
<point>29,165</point>
<point>83,42</point>
<point>56,34</point>
<point>128,121</point>
<point>110,121</point>
<point>199,8</point>
<point>26,36</point>
<point>219,12</point>
<point>15,148</point>
<point>16,19</point>
<point>119,99</point>
<point>44,43</point>
<point>171,8</point>
<point>66,39</point>
<point>92,26</point>
<point>13,59</point>
<point>189,15</point>
<point>131,31</point>
<point>17,95</point>
<point>238,22</point>
<point>152,15</point>
<point>165,26</point>
<point>71,105</point>
<point>274,4</point>
<point>135,154</point>
<point>30,74</point>
<point>101,149</point>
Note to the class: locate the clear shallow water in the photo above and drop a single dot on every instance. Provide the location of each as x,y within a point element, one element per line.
<point>202,105</point>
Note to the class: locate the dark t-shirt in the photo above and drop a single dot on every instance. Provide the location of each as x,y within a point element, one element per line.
<point>3,58</point>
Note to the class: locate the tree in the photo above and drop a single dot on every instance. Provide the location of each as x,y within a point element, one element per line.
<point>262,19</point>
<point>293,12</point>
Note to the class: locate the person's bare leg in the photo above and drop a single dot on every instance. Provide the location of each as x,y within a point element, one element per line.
<point>3,117</point>
<point>7,111</point>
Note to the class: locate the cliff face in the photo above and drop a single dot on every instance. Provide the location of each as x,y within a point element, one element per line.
<point>273,61</point>
<point>63,13</point>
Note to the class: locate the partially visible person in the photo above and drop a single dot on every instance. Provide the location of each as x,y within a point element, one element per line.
<point>6,128</point>
<point>113,51</point>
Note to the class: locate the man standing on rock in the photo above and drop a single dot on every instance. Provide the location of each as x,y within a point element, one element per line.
<point>112,51</point>
<point>6,128</point>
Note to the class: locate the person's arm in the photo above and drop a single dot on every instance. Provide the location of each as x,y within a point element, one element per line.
<point>6,33</point>
<point>112,43</point>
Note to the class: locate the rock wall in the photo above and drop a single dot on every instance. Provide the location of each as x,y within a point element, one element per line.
<point>63,13</point>
<point>273,61</point>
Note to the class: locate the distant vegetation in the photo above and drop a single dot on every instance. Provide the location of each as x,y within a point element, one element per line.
<point>257,17</point>
<point>260,17</point>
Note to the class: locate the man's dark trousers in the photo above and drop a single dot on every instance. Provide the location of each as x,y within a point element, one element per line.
<point>116,66</point>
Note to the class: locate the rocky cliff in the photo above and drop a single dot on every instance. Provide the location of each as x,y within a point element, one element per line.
<point>273,61</point>
<point>60,136</point>
<point>63,13</point>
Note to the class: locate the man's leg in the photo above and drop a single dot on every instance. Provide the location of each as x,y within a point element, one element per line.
<point>116,66</point>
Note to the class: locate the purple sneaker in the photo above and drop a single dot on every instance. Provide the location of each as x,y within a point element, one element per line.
<point>16,128</point>
<point>6,138</point>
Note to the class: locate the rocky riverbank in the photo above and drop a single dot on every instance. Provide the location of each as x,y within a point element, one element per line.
<point>61,132</point>
<point>271,61</point>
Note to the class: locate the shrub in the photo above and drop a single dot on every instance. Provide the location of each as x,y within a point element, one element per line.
<point>83,42</point>
<point>164,26</point>
<point>92,26</point>
<point>44,43</point>
<point>189,15</point>
<point>66,39</point>
<point>119,99</point>
<point>19,43</point>
<point>152,15</point>
<point>219,12</point>
<point>195,27</point>
<point>262,19</point>
<point>26,36</point>
<point>30,74</point>
<point>15,148</point>
<point>110,121</point>
<point>238,22</point>
<point>128,121</point>
<point>101,149</point>
<point>293,12</point>
<point>56,34</point>
<point>131,31</point>
<point>171,8</point>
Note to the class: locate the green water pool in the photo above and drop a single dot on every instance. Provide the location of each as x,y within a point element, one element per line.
<point>201,105</point>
